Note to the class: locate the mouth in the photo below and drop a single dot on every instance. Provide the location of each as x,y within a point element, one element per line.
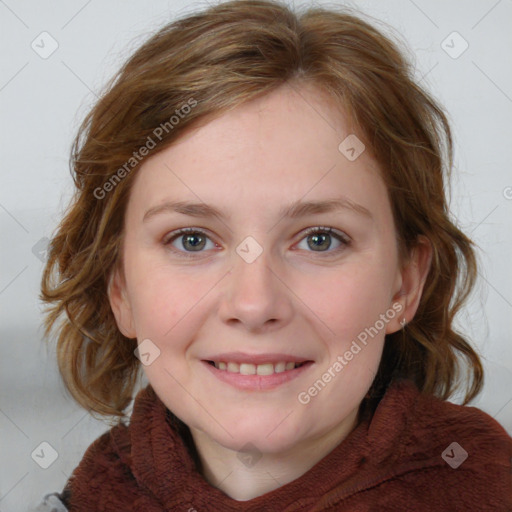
<point>260,375</point>
<point>256,369</point>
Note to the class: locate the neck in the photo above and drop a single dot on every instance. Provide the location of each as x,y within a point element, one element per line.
<point>244,477</point>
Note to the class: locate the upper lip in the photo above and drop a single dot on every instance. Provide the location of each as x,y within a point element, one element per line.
<point>240,357</point>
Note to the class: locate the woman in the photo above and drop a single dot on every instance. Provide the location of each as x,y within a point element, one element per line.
<point>260,221</point>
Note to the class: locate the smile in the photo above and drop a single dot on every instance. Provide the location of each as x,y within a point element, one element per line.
<point>255,369</point>
<point>260,376</point>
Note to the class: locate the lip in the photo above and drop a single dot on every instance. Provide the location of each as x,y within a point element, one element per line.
<point>258,382</point>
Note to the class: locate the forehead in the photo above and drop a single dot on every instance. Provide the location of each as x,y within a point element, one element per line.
<point>273,150</point>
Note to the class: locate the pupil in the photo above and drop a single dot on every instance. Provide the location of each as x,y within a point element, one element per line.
<point>320,238</point>
<point>196,244</point>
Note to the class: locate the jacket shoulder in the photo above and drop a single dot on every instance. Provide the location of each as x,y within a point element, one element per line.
<point>470,449</point>
<point>110,450</point>
<point>438,420</point>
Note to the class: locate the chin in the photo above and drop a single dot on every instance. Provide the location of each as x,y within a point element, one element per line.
<point>265,436</point>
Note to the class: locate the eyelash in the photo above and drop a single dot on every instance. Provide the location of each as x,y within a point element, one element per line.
<point>309,231</point>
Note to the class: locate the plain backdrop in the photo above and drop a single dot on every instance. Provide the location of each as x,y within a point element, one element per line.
<point>44,97</point>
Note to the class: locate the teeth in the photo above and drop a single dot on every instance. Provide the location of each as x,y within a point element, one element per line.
<point>247,369</point>
<point>233,367</point>
<point>279,367</point>
<point>265,369</point>
<point>255,369</point>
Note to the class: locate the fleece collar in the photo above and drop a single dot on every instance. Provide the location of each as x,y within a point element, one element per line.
<point>147,465</point>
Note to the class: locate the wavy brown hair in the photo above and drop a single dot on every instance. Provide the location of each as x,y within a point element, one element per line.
<point>220,58</point>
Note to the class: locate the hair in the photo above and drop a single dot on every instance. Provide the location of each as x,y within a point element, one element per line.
<point>214,61</point>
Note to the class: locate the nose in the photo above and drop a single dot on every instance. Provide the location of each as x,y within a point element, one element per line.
<point>255,296</point>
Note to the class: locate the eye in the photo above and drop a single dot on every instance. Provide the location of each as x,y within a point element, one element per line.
<point>194,240</point>
<point>319,239</point>
<point>189,240</point>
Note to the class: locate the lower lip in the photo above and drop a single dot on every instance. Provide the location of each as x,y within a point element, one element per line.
<point>257,382</point>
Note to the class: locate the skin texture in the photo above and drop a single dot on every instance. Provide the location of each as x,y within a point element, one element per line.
<point>291,299</point>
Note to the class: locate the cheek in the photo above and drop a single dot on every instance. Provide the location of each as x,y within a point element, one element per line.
<point>352,301</point>
<point>167,310</point>
<point>356,309</point>
<point>158,308</point>
<point>164,300</point>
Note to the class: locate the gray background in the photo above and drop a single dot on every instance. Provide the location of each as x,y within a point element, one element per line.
<point>42,101</point>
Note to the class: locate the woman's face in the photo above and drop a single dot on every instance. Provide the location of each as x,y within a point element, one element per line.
<point>248,287</point>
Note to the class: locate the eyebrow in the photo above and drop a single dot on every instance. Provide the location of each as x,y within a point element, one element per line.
<point>293,211</point>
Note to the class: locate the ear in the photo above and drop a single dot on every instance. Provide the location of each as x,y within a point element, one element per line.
<point>412,279</point>
<point>117,296</point>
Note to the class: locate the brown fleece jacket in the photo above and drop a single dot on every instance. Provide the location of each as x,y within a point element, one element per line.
<point>416,453</point>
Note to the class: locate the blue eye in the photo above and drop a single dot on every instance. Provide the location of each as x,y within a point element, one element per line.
<point>194,240</point>
<point>321,238</point>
